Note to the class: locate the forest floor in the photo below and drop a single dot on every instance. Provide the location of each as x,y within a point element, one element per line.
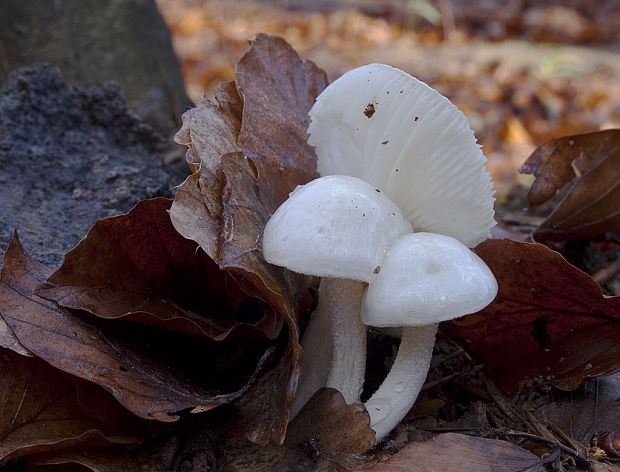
<point>522,73</point>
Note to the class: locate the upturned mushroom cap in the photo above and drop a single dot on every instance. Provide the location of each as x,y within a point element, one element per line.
<point>427,278</point>
<point>335,226</point>
<point>389,129</point>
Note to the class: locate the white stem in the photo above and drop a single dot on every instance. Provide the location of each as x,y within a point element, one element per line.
<point>334,344</point>
<point>398,392</point>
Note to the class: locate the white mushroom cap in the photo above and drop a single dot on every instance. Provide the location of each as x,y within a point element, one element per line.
<point>335,226</point>
<point>387,128</point>
<point>427,278</point>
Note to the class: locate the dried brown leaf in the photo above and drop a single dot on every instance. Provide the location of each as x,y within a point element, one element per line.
<point>137,267</point>
<point>592,205</point>
<point>452,452</point>
<point>111,354</point>
<point>326,432</point>
<point>549,323</point>
<point>40,411</point>
<point>592,408</point>
<point>209,131</point>
<point>278,90</point>
<point>265,111</point>
<point>332,424</point>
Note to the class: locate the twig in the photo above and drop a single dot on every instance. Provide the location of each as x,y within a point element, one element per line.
<point>579,457</point>
<point>523,220</point>
<point>452,355</point>
<point>607,273</point>
<point>447,378</point>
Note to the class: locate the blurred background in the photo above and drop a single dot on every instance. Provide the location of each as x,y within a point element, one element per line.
<point>523,71</point>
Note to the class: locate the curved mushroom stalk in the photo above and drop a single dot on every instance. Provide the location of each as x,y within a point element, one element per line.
<point>398,392</point>
<point>425,278</point>
<point>334,344</point>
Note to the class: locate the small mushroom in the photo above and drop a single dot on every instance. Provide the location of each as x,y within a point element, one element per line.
<point>398,217</point>
<point>338,228</point>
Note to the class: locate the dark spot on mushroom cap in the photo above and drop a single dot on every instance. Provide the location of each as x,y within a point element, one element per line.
<point>416,118</point>
<point>400,91</point>
<point>370,110</point>
<point>385,142</point>
<point>377,270</point>
<point>377,190</point>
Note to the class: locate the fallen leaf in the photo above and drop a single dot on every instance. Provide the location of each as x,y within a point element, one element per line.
<point>139,268</point>
<point>332,424</point>
<point>146,369</point>
<point>452,452</point>
<point>326,431</point>
<point>594,407</point>
<point>548,324</point>
<point>209,131</point>
<point>40,411</point>
<point>278,90</point>
<point>592,205</point>
<point>263,115</point>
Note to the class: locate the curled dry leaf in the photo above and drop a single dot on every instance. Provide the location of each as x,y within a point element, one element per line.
<point>137,267</point>
<point>548,324</point>
<point>41,412</point>
<point>592,205</point>
<point>248,152</point>
<point>111,354</point>
<point>452,452</point>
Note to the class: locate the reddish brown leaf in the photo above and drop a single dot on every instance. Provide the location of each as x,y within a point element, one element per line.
<point>137,267</point>
<point>265,110</point>
<point>278,90</point>
<point>452,452</point>
<point>112,354</point>
<point>592,205</point>
<point>39,411</point>
<point>548,324</point>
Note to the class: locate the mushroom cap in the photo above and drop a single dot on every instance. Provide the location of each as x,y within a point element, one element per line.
<point>389,129</point>
<point>334,226</point>
<point>427,278</point>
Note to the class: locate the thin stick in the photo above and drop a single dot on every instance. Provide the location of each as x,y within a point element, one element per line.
<point>579,457</point>
<point>607,273</point>
<point>447,378</point>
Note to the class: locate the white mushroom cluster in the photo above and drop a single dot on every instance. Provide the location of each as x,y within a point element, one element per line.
<point>403,195</point>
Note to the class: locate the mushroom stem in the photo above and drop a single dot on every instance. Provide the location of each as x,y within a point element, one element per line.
<point>334,344</point>
<point>398,392</point>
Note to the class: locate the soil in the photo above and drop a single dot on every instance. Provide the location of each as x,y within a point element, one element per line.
<point>70,156</point>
